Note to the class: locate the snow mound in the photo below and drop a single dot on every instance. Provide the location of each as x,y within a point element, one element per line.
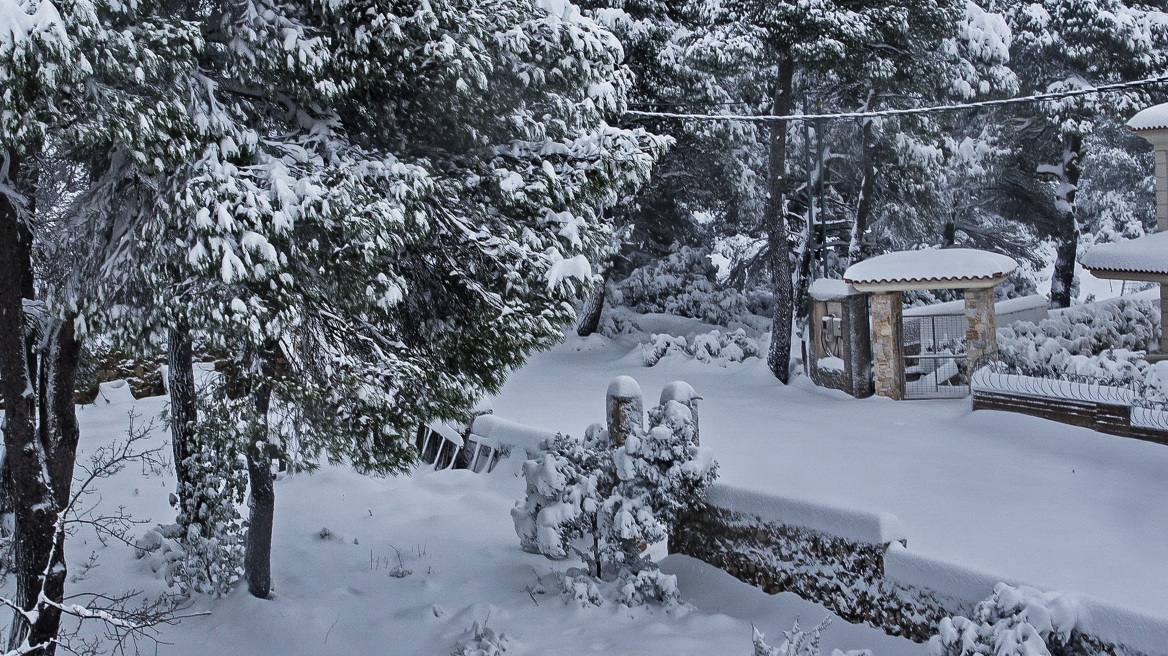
<point>827,289</point>
<point>509,432</point>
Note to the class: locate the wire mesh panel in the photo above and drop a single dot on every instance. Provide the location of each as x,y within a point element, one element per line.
<point>935,364</point>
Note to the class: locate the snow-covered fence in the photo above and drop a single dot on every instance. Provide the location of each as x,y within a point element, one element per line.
<point>857,564</point>
<point>1084,401</point>
<point>477,447</point>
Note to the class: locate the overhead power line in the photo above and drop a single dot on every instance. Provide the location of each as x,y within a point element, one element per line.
<point>1103,88</point>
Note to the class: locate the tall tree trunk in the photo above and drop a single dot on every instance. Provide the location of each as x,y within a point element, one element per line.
<point>779,356</point>
<point>257,558</point>
<point>22,448</point>
<point>183,412</point>
<point>867,191</point>
<point>590,320</point>
<point>1068,235</point>
<point>60,453</point>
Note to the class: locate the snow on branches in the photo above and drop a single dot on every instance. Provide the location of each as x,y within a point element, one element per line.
<point>606,502</point>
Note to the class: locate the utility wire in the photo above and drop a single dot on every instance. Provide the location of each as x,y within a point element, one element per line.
<point>1103,88</point>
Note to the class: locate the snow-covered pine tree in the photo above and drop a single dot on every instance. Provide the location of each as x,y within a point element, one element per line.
<point>706,172</point>
<point>605,502</point>
<point>85,114</point>
<point>1061,45</point>
<point>395,204</point>
<point>766,45</point>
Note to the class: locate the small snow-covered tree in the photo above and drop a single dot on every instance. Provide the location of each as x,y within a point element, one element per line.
<point>607,502</point>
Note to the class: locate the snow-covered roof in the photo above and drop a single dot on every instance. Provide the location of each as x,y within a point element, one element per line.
<point>827,289</point>
<point>1147,255</point>
<point>946,268</point>
<point>1152,118</point>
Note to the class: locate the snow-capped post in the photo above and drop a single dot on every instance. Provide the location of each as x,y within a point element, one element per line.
<point>683,393</point>
<point>625,409</point>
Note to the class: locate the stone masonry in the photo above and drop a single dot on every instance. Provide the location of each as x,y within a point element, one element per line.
<point>888,345</point>
<point>981,338</point>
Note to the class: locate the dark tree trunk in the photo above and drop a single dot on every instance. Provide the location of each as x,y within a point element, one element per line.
<point>257,559</point>
<point>60,454</point>
<point>1067,239</point>
<point>590,319</point>
<point>867,191</point>
<point>23,253</point>
<point>31,500</point>
<point>183,413</point>
<point>779,356</point>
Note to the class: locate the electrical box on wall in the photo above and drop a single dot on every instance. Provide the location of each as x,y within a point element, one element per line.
<point>839,353</point>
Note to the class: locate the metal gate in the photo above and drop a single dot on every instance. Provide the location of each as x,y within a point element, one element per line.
<point>935,364</point>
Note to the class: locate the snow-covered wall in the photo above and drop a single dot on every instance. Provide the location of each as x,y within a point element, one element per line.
<point>857,564</point>
<point>860,526</point>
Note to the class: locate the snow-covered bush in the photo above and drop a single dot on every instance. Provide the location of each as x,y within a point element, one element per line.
<point>1015,621</point>
<point>208,529</point>
<point>482,641</point>
<point>685,284</point>
<point>800,642</point>
<point>1098,340</point>
<point>606,502</point>
<point>714,346</point>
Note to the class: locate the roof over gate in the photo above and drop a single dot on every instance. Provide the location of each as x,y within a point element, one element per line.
<point>945,268</point>
<point>1143,258</point>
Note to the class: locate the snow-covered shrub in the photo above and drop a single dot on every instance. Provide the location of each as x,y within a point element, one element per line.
<point>482,641</point>
<point>685,284</point>
<point>1014,621</point>
<point>1098,340</point>
<point>714,346</point>
<point>208,528</point>
<point>799,642</point>
<point>605,502</point>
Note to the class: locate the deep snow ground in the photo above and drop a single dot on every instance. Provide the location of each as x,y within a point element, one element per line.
<point>336,595</point>
<point>1052,505</point>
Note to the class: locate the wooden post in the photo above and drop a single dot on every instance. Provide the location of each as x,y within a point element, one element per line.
<point>625,409</point>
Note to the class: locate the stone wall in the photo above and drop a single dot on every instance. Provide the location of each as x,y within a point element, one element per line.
<point>845,576</point>
<point>850,578</point>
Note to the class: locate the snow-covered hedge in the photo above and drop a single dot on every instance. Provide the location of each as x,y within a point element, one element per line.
<point>1105,341</point>
<point>685,284</point>
<point>714,346</point>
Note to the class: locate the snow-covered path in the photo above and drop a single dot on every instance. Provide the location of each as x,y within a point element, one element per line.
<point>1052,505</point>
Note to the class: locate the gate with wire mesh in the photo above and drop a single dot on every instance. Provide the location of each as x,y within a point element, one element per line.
<point>935,364</point>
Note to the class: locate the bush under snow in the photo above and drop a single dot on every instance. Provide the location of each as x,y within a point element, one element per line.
<point>1015,621</point>
<point>800,642</point>
<point>606,502</point>
<point>1105,341</point>
<point>685,284</point>
<point>714,346</point>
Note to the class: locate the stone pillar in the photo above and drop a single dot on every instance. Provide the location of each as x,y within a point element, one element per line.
<point>981,338</point>
<point>888,345</point>
<point>625,409</point>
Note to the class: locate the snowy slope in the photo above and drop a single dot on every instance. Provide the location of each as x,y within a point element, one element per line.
<point>1053,505</point>
<point>336,595</point>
